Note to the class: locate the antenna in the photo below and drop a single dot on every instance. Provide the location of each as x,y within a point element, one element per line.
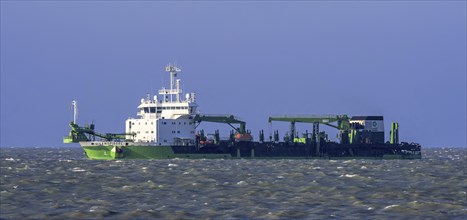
<point>74,105</point>
<point>173,70</point>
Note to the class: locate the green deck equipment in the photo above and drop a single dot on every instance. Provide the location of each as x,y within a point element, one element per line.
<point>394,133</point>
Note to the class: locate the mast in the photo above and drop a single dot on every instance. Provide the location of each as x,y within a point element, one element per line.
<point>74,105</point>
<point>174,84</point>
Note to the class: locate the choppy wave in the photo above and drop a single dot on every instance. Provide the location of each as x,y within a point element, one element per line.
<point>62,183</point>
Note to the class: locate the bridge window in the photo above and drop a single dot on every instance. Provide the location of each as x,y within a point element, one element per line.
<point>153,109</point>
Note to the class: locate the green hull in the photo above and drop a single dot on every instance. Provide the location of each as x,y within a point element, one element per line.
<point>103,152</point>
<point>143,152</point>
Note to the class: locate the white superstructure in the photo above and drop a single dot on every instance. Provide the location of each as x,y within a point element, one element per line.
<point>167,118</point>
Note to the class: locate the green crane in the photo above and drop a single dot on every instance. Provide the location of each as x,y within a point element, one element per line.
<point>343,124</point>
<point>241,135</point>
<point>87,133</point>
<point>342,120</point>
<point>226,119</point>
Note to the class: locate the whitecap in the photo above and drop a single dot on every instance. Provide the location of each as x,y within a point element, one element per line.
<point>363,167</point>
<point>96,209</point>
<point>280,177</point>
<point>78,169</point>
<point>9,159</point>
<point>172,165</point>
<point>242,183</point>
<point>350,175</point>
<point>390,207</point>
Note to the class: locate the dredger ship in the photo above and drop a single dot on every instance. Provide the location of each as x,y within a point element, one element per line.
<point>166,127</point>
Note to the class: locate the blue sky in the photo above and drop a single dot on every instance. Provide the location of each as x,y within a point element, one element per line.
<point>403,60</point>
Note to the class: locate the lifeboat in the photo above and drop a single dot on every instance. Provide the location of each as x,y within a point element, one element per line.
<point>243,137</point>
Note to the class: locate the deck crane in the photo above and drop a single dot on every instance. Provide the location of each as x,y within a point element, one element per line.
<point>87,132</point>
<point>343,125</point>
<point>241,135</point>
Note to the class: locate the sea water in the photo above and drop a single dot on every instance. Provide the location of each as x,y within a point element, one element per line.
<point>61,183</point>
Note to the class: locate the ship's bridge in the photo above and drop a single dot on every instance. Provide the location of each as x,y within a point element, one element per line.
<point>154,108</point>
